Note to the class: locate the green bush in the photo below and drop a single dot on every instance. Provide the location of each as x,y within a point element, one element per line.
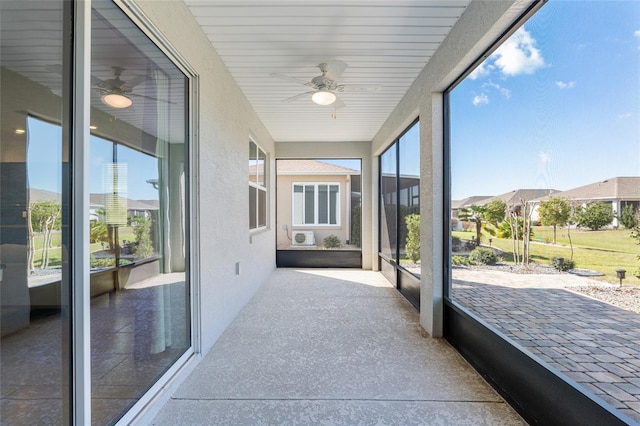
<point>483,256</point>
<point>460,261</point>
<point>595,216</point>
<point>567,264</point>
<point>412,247</point>
<point>629,216</point>
<point>143,246</point>
<point>331,242</point>
<point>356,225</point>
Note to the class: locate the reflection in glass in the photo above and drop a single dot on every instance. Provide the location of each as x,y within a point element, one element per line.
<point>34,216</point>
<point>140,318</point>
<point>409,199</point>
<point>388,203</point>
<point>257,187</point>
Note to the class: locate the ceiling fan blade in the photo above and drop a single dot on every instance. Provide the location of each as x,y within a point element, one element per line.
<point>296,97</point>
<point>289,78</point>
<point>338,104</point>
<point>134,95</point>
<point>335,69</point>
<point>359,88</point>
<point>135,81</point>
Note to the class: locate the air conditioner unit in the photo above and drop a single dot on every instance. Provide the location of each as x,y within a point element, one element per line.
<point>303,238</point>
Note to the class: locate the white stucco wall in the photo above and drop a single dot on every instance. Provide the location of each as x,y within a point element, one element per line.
<point>482,23</point>
<point>226,123</point>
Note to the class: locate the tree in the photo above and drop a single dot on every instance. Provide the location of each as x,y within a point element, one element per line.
<point>554,212</point>
<point>98,232</point>
<point>629,216</point>
<point>491,213</point>
<point>143,246</point>
<point>635,233</point>
<point>412,248</point>
<point>44,217</point>
<point>595,216</point>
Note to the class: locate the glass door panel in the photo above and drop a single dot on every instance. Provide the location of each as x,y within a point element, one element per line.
<point>140,300</point>
<point>34,215</point>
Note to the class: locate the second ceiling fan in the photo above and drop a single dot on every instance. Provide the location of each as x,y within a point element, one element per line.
<point>326,85</point>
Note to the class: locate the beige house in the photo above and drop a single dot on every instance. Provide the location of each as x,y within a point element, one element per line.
<point>617,191</point>
<point>314,200</point>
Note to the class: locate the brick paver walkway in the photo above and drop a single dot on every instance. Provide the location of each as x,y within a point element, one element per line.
<point>593,343</point>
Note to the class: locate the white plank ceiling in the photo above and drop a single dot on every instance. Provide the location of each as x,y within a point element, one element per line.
<point>385,43</point>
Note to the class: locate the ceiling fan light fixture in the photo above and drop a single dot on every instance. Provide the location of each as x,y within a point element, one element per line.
<point>116,100</point>
<point>323,97</point>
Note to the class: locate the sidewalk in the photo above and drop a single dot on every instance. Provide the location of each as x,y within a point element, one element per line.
<point>339,347</point>
<point>591,342</point>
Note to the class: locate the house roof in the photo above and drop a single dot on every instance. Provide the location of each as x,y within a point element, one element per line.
<point>516,197</point>
<point>617,188</point>
<point>469,201</point>
<point>37,195</point>
<point>312,167</point>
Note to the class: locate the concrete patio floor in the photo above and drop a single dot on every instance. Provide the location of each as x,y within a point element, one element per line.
<point>593,343</point>
<point>335,347</point>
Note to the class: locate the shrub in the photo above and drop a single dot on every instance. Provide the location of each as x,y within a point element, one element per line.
<point>456,244</point>
<point>483,256</point>
<point>460,261</point>
<point>143,246</point>
<point>629,216</point>
<point>567,264</point>
<point>331,242</point>
<point>356,225</point>
<point>412,247</point>
<point>594,216</point>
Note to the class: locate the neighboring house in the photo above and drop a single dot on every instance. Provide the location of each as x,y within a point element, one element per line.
<point>457,205</point>
<point>514,200</point>
<point>314,198</point>
<point>618,192</point>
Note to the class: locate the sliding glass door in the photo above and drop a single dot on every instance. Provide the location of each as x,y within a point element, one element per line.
<point>137,307</point>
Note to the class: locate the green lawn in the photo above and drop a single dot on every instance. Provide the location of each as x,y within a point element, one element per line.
<point>55,252</point>
<point>603,251</point>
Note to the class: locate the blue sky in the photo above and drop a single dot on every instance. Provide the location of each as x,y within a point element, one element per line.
<point>44,166</point>
<point>556,106</point>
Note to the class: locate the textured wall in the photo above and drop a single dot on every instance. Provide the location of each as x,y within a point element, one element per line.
<point>226,122</point>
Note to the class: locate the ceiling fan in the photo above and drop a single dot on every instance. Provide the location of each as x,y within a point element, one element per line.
<point>116,92</point>
<point>326,85</point>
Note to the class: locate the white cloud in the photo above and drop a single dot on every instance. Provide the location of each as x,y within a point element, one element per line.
<point>625,116</point>
<point>637,33</point>
<point>519,55</point>
<point>565,85</point>
<point>502,90</point>
<point>482,71</point>
<point>482,99</point>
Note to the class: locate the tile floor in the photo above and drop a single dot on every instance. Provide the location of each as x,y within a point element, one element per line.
<point>125,354</point>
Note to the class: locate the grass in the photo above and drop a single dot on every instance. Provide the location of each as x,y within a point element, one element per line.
<point>603,251</point>
<point>55,252</point>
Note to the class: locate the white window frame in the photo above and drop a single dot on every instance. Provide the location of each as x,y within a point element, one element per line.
<point>255,183</point>
<point>316,204</point>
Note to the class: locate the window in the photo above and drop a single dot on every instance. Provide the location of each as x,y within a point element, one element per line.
<point>257,187</point>
<point>544,127</point>
<point>400,200</point>
<point>316,203</point>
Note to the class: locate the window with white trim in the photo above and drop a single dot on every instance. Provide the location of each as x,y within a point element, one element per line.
<point>257,187</point>
<point>316,203</point>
